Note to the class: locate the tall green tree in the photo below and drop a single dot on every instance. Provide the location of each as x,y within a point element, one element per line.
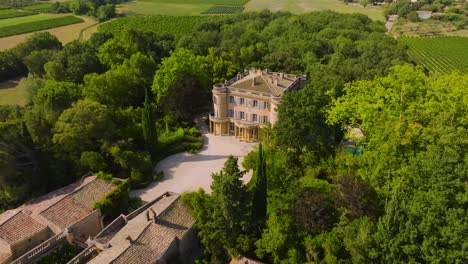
<point>258,188</point>
<point>223,218</point>
<point>148,124</point>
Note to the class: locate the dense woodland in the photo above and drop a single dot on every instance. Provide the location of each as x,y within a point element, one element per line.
<point>118,103</point>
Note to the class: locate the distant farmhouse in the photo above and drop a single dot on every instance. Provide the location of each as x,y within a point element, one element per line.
<point>160,231</point>
<point>246,103</point>
<point>38,227</point>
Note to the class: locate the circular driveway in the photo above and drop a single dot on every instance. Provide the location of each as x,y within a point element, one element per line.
<point>189,172</point>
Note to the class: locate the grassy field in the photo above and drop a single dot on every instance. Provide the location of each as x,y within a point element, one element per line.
<point>426,28</point>
<point>10,13</point>
<point>161,24</point>
<point>303,6</point>
<point>26,19</point>
<point>36,25</point>
<point>39,8</point>
<point>440,54</point>
<point>11,93</point>
<point>65,34</point>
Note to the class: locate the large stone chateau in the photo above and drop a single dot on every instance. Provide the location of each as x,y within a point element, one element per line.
<point>249,101</point>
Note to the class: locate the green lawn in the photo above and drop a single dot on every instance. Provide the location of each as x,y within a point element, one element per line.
<point>440,54</point>
<point>303,6</point>
<point>26,19</point>
<point>11,93</point>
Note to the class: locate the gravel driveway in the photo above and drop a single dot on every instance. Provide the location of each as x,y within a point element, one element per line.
<point>189,172</point>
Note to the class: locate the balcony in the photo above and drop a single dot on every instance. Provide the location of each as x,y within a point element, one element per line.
<point>219,119</point>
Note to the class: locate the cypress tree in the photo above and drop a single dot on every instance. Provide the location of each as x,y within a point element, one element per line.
<point>258,187</point>
<point>149,126</point>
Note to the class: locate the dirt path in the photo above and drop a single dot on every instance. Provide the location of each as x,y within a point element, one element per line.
<point>187,172</point>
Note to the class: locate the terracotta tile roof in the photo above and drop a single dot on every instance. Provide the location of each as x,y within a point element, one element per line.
<point>41,203</point>
<point>4,256</point>
<point>78,204</point>
<point>157,237</point>
<point>19,227</point>
<point>265,82</point>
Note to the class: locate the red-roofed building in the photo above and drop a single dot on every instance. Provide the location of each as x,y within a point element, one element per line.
<point>50,220</point>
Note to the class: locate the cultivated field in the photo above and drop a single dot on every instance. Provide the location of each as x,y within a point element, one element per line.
<point>9,13</point>
<point>177,25</point>
<point>12,94</point>
<point>214,10</point>
<point>65,34</point>
<point>196,7</point>
<point>426,28</point>
<point>20,25</point>
<point>440,54</point>
<point>303,6</point>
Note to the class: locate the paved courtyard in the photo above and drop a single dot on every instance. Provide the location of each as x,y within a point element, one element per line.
<point>189,172</point>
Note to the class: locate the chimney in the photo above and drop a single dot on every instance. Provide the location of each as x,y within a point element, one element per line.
<point>239,76</point>
<point>154,215</point>
<point>276,81</point>
<point>282,75</point>
<point>148,218</point>
<point>253,82</point>
<point>129,238</point>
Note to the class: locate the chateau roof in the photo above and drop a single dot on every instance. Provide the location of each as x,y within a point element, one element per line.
<point>78,204</point>
<point>265,82</point>
<point>19,227</point>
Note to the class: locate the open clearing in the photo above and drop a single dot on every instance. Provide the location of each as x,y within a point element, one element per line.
<point>303,6</point>
<point>440,54</point>
<point>65,34</point>
<point>12,94</point>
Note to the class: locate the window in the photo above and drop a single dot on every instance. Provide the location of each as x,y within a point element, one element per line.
<point>255,103</point>
<point>242,115</point>
<point>214,99</point>
<point>230,113</point>
<point>265,119</point>
<point>242,101</point>
<point>232,100</point>
<point>254,118</point>
<point>265,105</point>
<point>231,127</point>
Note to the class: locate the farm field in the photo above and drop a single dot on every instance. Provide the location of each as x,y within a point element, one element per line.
<point>303,6</point>
<point>10,13</point>
<point>65,34</point>
<point>161,24</point>
<point>20,25</point>
<point>11,93</point>
<point>174,7</point>
<point>223,10</point>
<point>439,54</point>
<point>426,28</point>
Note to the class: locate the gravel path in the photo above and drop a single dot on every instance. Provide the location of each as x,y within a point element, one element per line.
<point>188,172</point>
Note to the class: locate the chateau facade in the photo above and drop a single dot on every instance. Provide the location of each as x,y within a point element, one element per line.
<point>249,101</point>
